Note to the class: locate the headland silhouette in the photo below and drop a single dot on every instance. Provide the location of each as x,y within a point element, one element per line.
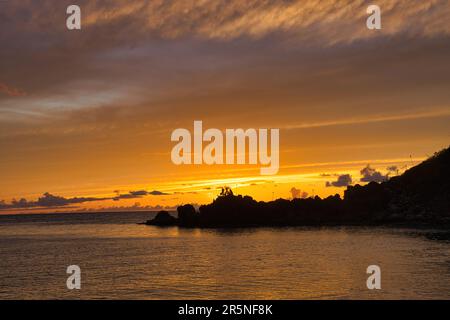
<point>420,196</point>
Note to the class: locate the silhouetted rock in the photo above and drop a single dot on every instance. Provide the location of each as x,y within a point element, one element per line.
<point>421,194</point>
<point>187,216</point>
<point>163,218</point>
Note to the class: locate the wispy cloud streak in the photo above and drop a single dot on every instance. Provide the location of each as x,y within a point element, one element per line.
<point>11,91</point>
<point>371,119</point>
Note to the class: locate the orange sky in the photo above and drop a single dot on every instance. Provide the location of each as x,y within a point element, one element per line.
<point>89,113</point>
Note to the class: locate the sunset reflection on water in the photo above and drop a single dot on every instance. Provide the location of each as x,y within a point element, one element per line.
<point>123,260</point>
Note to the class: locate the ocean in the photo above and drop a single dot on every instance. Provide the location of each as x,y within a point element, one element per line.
<point>120,259</point>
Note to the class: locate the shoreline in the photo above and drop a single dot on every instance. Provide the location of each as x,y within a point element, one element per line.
<point>407,225</point>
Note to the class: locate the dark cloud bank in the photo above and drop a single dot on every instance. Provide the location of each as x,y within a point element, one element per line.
<point>49,200</point>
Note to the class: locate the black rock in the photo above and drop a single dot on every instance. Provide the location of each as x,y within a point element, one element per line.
<point>163,219</point>
<point>187,216</point>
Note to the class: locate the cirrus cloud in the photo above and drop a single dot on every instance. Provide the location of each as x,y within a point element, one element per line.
<point>11,91</point>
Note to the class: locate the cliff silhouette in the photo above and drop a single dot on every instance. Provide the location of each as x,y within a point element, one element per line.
<point>420,196</point>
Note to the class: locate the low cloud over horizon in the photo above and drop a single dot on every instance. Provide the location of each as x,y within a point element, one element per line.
<point>371,175</point>
<point>49,200</point>
<point>343,180</point>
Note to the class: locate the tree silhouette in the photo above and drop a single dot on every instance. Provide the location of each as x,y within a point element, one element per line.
<point>226,191</point>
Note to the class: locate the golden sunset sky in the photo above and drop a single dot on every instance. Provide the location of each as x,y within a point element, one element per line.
<point>87,114</point>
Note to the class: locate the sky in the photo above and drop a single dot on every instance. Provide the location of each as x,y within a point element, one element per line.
<point>86,115</point>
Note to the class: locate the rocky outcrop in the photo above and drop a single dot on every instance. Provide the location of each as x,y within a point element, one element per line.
<point>421,195</point>
<point>163,219</point>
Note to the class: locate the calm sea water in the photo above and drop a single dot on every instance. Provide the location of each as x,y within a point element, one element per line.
<point>122,260</point>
